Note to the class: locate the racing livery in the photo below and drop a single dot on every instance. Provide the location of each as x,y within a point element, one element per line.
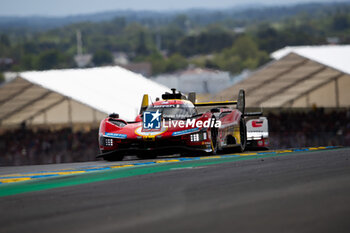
<point>174,125</point>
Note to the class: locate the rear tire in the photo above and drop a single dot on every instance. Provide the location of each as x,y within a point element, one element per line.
<point>243,135</point>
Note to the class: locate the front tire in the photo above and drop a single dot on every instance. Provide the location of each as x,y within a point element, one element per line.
<point>147,156</point>
<point>113,157</point>
<point>214,140</point>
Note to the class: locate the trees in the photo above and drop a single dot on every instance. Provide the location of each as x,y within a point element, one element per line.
<point>195,36</point>
<point>341,22</point>
<point>5,44</point>
<point>48,60</point>
<point>141,48</point>
<point>4,40</point>
<point>175,62</point>
<point>205,42</point>
<point>102,57</point>
<point>165,65</point>
<point>2,78</point>
<point>244,54</point>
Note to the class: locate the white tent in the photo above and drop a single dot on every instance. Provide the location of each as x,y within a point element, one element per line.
<point>73,96</point>
<point>300,76</point>
<point>335,56</point>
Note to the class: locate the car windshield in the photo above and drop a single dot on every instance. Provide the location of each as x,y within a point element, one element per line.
<point>176,111</point>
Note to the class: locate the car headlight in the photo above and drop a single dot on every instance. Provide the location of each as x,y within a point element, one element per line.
<point>196,137</point>
<point>205,136</point>
<point>108,142</point>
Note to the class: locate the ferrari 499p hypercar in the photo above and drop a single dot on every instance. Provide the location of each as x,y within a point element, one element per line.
<point>175,125</point>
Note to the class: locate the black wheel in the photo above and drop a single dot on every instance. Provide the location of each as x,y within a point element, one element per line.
<point>214,139</point>
<point>185,154</point>
<point>147,156</point>
<point>113,157</point>
<point>243,135</point>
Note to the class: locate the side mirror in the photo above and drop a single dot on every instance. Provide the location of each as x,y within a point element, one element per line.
<point>114,115</point>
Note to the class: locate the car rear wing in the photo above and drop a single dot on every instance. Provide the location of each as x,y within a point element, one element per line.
<point>144,103</point>
<point>204,104</point>
<point>253,114</point>
<point>240,102</point>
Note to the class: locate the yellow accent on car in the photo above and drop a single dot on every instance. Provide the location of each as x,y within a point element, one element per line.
<point>215,103</point>
<point>237,136</point>
<point>144,101</point>
<point>149,138</point>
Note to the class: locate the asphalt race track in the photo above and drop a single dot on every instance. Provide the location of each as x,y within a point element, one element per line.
<point>288,191</point>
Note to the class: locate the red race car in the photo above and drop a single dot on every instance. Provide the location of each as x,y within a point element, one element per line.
<point>174,125</point>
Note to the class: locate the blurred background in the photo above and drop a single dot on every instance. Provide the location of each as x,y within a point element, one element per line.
<point>65,65</point>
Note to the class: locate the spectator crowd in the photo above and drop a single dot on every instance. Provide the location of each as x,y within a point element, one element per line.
<point>288,129</point>
<point>318,127</point>
<point>25,147</point>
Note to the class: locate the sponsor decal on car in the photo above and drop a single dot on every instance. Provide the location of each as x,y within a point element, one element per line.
<point>192,123</point>
<point>116,135</point>
<point>183,132</point>
<point>257,123</point>
<point>142,132</point>
<point>151,120</point>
